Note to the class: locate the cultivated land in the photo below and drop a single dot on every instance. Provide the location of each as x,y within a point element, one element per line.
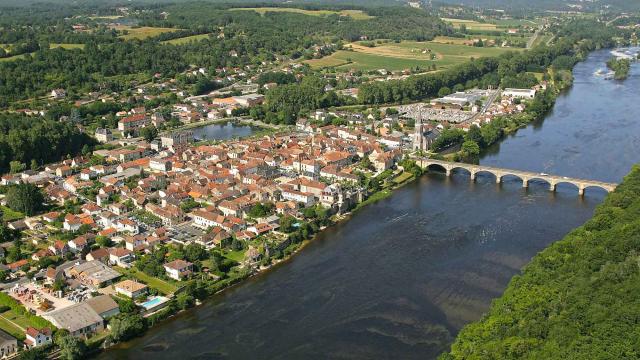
<point>355,14</point>
<point>186,39</point>
<point>403,55</point>
<point>141,32</point>
<point>472,24</point>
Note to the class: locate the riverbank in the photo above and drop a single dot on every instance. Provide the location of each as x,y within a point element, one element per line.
<point>562,304</point>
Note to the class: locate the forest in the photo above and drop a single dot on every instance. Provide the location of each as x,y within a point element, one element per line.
<point>27,141</point>
<point>577,299</point>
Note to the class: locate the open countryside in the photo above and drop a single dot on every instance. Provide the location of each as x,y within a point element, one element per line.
<point>403,55</point>
<point>355,14</point>
<point>142,32</point>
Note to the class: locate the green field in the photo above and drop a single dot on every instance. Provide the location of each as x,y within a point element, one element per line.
<point>12,58</point>
<point>355,14</point>
<point>186,39</point>
<point>141,32</point>
<point>404,55</point>
<point>10,215</point>
<point>472,24</point>
<point>66,46</point>
<point>15,324</point>
<point>163,286</point>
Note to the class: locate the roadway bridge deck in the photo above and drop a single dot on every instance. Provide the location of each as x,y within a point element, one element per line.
<point>525,176</point>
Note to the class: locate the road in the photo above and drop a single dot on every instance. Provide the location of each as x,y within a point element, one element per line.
<point>490,100</point>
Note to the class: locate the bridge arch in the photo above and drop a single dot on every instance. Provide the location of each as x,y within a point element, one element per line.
<point>464,169</point>
<point>594,186</point>
<point>436,166</point>
<point>485,171</point>
<point>541,179</point>
<point>519,177</point>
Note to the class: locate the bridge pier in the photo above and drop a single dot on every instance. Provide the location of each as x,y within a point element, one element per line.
<point>498,178</point>
<point>525,183</point>
<point>448,172</point>
<point>552,187</point>
<point>473,176</point>
<point>581,190</point>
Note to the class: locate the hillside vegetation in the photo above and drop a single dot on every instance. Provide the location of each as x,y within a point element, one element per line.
<point>577,299</point>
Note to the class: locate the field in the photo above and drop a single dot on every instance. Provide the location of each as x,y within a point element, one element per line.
<point>472,24</point>
<point>164,287</point>
<point>355,14</point>
<point>66,46</point>
<point>186,39</point>
<point>404,55</point>
<point>141,32</point>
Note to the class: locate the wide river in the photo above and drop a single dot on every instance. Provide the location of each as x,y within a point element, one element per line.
<point>401,277</point>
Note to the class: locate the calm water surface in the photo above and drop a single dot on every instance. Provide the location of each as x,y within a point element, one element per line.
<point>222,131</point>
<point>399,279</point>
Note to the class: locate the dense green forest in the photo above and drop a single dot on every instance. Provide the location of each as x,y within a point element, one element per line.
<point>577,299</point>
<point>36,141</point>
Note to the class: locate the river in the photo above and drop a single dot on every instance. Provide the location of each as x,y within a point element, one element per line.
<point>401,277</point>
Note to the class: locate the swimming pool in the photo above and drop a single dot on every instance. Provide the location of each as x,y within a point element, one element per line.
<point>154,302</point>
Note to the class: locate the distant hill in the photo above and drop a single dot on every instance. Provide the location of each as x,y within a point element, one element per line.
<point>563,5</point>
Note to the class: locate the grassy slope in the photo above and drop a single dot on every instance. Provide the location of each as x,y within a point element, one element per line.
<point>577,299</point>
<point>407,54</point>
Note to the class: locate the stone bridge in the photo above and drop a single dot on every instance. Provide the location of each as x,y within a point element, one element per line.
<point>525,176</point>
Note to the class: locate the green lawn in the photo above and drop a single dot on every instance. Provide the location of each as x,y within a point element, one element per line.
<point>163,286</point>
<point>15,324</point>
<point>403,177</point>
<point>10,215</point>
<point>186,39</point>
<point>237,256</point>
<point>11,329</point>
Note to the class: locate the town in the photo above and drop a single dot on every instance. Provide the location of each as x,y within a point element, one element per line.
<point>213,143</point>
<point>129,224</point>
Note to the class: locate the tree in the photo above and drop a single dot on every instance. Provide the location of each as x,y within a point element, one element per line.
<point>25,198</point>
<point>17,167</point>
<point>149,133</point>
<point>127,326</point>
<point>286,223</point>
<point>34,165</point>
<point>194,252</point>
<point>103,241</point>
<point>470,149</point>
<point>7,234</point>
<point>71,348</point>
<point>184,300</point>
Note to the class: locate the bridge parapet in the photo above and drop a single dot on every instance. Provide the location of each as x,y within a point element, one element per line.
<point>525,176</point>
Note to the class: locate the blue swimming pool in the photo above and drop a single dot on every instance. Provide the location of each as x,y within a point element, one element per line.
<point>154,302</point>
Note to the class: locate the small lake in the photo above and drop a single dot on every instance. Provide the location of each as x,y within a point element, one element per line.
<point>223,131</point>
